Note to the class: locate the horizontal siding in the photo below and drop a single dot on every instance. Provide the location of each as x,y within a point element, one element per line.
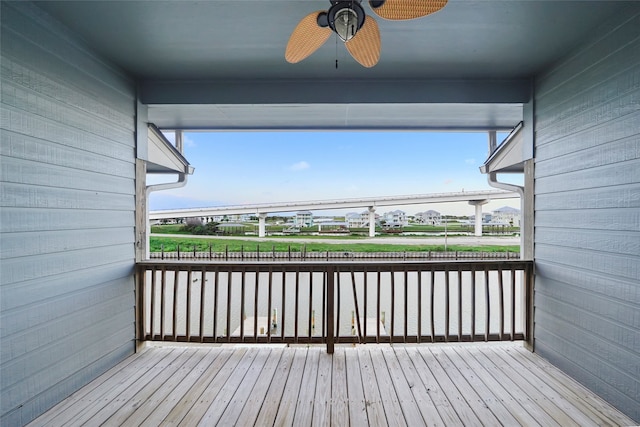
<point>55,88</point>
<point>622,196</point>
<point>27,125</point>
<point>604,155</point>
<point>561,303</point>
<point>627,105</point>
<point>25,172</point>
<point>618,82</point>
<point>36,196</point>
<point>608,175</point>
<point>615,219</point>
<point>111,315</point>
<point>47,265</point>
<point>47,219</point>
<point>608,88</point>
<point>80,156</point>
<point>591,372</point>
<point>49,397</point>
<point>601,285</point>
<point>56,373</point>
<point>61,55</point>
<point>34,292</point>
<point>67,157</point>
<point>618,128</point>
<point>18,245</point>
<point>587,212</point>
<point>615,242</point>
<point>615,265</point>
<point>613,35</point>
<point>40,105</point>
<point>44,312</point>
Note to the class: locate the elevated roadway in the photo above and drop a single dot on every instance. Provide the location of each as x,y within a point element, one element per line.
<point>476,198</point>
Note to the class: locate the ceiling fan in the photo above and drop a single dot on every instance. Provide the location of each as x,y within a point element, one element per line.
<point>358,31</point>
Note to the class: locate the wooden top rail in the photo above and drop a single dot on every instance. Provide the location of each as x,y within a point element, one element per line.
<point>293,266</point>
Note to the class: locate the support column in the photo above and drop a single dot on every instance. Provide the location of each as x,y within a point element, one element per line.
<point>372,221</point>
<point>262,225</point>
<point>478,204</point>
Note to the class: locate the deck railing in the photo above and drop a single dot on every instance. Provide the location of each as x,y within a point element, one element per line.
<point>334,302</point>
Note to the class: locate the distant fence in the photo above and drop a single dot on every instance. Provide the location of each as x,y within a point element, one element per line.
<point>332,256</point>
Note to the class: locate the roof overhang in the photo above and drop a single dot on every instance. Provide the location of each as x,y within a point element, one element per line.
<point>163,156</point>
<point>508,157</point>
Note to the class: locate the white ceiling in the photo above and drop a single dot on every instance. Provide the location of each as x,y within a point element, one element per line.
<point>220,63</point>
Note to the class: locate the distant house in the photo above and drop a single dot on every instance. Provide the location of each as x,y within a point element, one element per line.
<point>486,218</point>
<point>506,215</point>
<point>429,217</point>
<point>396,217</point>
<point>303,219</point>
<point>353,220</point>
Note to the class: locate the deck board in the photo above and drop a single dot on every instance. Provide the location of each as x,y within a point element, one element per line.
<point>481,404</point>
<point>339,399</point>
<point>355,391</point>
<point>484,380</point>
<point>456,399</point>
<point>157,384</point>
<point>375,407</point>
<point>269,407</point>
<point>306,397</point>
<point>249,413</point>
<point>231,385</point>
<point>322,401</point>
<point>196,364</point>
<point>378,385</point>
<point>517,389</point>
<point>243,392</point>
<point>425,404</point>
<point>391,403</point>
<point>289,399</point>
<point>447,412</point>
<point>579,395</point>
<point>190,392</point>
<point>199,403</point>
<point>408,404</point>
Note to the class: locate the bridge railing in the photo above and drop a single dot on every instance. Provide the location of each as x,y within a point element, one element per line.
<point>334,302</point>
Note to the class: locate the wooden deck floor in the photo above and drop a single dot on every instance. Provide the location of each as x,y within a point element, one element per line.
<point>470,385</point>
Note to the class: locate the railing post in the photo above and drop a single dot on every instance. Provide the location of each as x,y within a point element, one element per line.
<point>329,315</point>
<point>140,313</point>
<point>529,307</point>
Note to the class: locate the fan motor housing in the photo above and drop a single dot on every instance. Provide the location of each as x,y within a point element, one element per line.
<point>345,18</point>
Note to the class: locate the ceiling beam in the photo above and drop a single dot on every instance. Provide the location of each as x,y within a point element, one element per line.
<point>330,91</point>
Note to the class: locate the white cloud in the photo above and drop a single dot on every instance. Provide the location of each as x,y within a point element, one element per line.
<point>301,165</point>
<point>470,161</point>
<point>188,142</point>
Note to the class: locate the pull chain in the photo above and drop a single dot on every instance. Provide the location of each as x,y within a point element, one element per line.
<point>336,52</point>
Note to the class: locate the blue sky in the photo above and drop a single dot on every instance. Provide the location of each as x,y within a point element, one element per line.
<point>233,168</point>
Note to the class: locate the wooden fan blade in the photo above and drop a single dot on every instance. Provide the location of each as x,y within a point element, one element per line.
<point>400,10</point>
<point>306,38</point>
<point>365,45</point>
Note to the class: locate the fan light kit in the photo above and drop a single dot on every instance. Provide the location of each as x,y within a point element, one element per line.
<point>359,32</point>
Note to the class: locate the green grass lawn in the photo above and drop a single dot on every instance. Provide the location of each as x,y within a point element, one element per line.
<point>170,244</point>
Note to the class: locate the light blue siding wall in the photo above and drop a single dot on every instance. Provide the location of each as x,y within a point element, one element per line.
<point>67,208</point>
<point>587,213</point>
